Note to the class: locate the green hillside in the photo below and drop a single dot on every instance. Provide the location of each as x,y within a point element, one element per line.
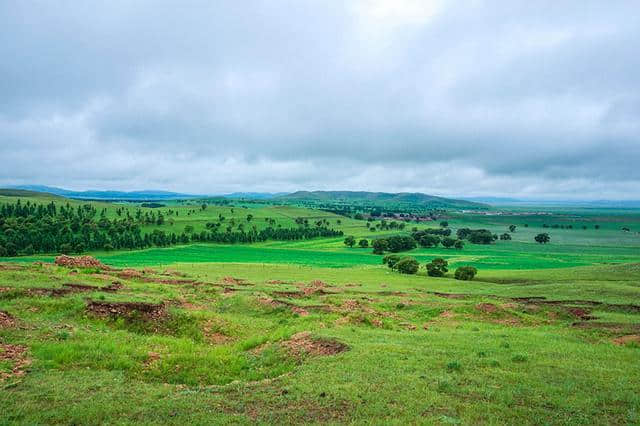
<point>382,199</point>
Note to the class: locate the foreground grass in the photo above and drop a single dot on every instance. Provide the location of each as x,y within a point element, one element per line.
<point>414,356</point>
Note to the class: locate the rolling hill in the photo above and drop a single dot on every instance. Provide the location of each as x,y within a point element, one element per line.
<point>381,198</point>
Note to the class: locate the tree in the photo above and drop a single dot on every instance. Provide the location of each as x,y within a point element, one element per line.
<point>390,260</point>
<point>459,245</point>
<point>350,241</point>
<point>249,217</point>
<point>505,236</point>
<point>465,273</point>
<point>407,265</point>
<point>448,242</point>
<point>364,243</point>
<point>429,240</point>
<point>542,238</point>
<point>398,243</point>
<point>437,267</point>
<point>444,224</point>
<point>597,226</point>
<point>512,228</point>
<point>203,206</point>
<point>379,246</point>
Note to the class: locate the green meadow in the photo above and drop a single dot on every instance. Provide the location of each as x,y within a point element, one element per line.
<point>312,331</point>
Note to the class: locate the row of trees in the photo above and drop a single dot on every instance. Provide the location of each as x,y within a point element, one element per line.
<point>436,268</point>
<point>29,228</point>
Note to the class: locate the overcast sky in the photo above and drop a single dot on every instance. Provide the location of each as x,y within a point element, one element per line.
<point>537,99</point>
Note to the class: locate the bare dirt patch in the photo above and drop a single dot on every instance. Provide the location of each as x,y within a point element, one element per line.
<point>234,281</point>
<point>6,320</point>
<point>16,355</point>
<point>629,338</point>
<point>302,344</point>
<point>487,308</point>
<point>300,311</point>
<point>152,358</point>
<point>447,314</point>
<point>80,262</point>
<point>127,274</point>
<point>213,335</point>
<point>5,267</point>
<point>149,311</point>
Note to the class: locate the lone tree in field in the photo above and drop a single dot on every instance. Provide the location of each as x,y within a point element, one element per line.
<point>459,245</point>
<point>512,228</point>
<point>542,238</point>
<point>444,224</point>
<point>350,241</point>
<point>437,268</point>
<point>407,265</point>
<point>364,243</point>
<point>505,236</point>
<point>465,273</point>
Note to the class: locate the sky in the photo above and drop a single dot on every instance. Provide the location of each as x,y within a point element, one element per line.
<point>469,98</point>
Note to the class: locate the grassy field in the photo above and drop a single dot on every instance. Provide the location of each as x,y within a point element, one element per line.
<point>315,332</point>
<point>225,350</point>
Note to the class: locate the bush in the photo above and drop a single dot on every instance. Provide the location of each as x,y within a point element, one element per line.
<point>465,273</point>
<point>437,268</point>
<point>407,265</point>
<point>459,244</point>
<point>505,237</point>
<point>363,243</point>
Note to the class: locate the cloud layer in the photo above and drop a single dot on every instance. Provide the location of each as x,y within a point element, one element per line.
<point>477,98</point>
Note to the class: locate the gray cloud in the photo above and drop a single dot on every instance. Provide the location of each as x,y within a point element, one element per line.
<point>504,98</point>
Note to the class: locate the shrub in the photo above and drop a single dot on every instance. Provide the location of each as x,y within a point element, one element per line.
<point>465,273</point>
<point>363,243</point>
<point>437,268</point>
<point>407,265</point>
<point>505,237</point>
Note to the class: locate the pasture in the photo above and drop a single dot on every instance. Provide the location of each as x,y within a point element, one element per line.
<point>312,331</point>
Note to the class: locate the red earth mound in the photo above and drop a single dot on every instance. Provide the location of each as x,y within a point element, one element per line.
<point>79,262</point>
<point>302,343</point>
<point>150,311</point>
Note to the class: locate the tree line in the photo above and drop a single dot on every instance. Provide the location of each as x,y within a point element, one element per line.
<point>30,228</point>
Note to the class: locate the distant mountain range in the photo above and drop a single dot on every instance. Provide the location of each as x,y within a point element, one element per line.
<point>145,195</point>
<point>148,195</point>
<point>412,198</point>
